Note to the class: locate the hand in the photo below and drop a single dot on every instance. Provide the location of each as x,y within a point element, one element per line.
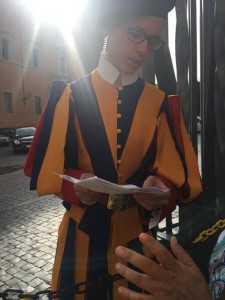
<point>152,202</point>
<point>169,279</point>
<point>86,196</point>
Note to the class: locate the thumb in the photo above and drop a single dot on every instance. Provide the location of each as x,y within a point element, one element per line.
<point>181,254</point>
<point>86,175</point>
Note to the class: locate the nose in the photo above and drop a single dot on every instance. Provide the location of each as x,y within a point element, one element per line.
<point>143,47</point>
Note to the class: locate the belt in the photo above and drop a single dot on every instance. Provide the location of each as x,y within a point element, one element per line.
<point>119,202</point>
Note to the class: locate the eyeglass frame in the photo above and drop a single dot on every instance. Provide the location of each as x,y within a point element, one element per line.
<point>149,38</point>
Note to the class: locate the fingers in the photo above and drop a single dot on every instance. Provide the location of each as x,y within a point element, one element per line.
<point>181,254</point>
<point>153,201</point>
<point>137,278</point>
<point>155,270</point>
<point>80,189</point>
<point>86,175</point>
<point>131,295</point>
<point>156,182</point>
<point>86,195</point>
<point>164,195</point>
<point>163,256</point>
<point>141,262</point>
<point>150,204</point>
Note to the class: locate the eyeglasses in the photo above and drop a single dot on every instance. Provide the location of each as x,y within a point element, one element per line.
<point>138,36</point>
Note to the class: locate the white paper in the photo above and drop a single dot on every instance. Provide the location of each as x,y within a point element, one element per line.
<point>155,217</point>
<point>103,186</point>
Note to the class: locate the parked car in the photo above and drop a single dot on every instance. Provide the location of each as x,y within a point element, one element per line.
<point>23,138</point>
<point>9,132</point>
<point>4,140</point>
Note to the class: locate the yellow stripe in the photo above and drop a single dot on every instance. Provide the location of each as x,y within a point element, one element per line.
<point>141,132</point>
<point>81,249</point>
<point>48,182</point>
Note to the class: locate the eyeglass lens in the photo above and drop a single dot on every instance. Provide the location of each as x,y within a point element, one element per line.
<point>137,36</point>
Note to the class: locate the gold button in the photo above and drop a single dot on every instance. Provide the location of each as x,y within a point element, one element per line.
<point>118,130</point>
<point>120,88</point>
<point>118,146</point>
<point>119,161</point>
<point>119,101</point>
<point>119,116</point>
<point>120,175</point>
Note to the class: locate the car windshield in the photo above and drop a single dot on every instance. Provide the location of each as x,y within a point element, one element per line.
<point>25,131</point>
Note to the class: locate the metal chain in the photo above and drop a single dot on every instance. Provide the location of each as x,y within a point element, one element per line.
<point>80,288</point>
<point>210,231</point>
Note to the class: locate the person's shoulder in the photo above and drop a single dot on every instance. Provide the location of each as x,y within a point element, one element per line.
<point>58,84</point>
<point>57,88</point>
<point>81,80</point>
<point>151,88</point>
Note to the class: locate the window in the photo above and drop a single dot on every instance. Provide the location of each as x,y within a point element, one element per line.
<point>8,102</point>
<point>62,62</point>
<point>38,105</point>
<point>62,65</point>
<point>5,49</point>
<point>35,57</point>
<point>6,46</point>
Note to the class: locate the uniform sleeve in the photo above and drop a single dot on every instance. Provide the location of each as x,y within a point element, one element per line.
<point>169,164</point>
<point>48,150</point>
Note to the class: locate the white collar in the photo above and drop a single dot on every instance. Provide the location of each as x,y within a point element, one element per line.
<point>109,73</point>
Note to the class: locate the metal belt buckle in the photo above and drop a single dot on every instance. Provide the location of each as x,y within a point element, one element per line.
<point>118,202</point>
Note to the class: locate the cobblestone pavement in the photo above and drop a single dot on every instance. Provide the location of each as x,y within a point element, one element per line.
<point>28,234</point>
<point>28,229</point>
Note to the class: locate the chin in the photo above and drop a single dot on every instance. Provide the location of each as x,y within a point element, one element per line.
<point>130,71</point>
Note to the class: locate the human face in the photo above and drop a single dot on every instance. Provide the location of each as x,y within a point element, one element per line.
<point>126,55</point>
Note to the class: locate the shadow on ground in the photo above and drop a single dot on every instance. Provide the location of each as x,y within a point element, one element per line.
<point>9,169</point>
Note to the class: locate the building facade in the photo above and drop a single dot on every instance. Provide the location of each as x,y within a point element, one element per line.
<point>31,58</point>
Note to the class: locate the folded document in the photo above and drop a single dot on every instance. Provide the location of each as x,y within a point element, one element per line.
<point>103,186</point>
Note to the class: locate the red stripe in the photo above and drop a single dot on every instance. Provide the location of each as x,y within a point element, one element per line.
<point>174,103</point>
<point>67,187</point>
<point>30,157</point>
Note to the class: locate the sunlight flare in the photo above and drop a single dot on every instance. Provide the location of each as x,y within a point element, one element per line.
<point>65,14</point>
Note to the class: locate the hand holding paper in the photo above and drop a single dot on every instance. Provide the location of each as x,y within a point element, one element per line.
<point>150,197</point>
<point>103,186</point>
<point>154,201</point>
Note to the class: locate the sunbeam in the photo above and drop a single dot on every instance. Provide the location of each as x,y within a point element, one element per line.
<point>65,14</point>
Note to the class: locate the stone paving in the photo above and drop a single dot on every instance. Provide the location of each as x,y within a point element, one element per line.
<point>28,234</point>
<point>28,230</point>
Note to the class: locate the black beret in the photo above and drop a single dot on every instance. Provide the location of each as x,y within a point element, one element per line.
<point>121,9</point>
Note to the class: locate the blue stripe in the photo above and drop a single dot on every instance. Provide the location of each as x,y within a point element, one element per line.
<point>67,274</point>
<point>54,97</point>
<point>93,130</point>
